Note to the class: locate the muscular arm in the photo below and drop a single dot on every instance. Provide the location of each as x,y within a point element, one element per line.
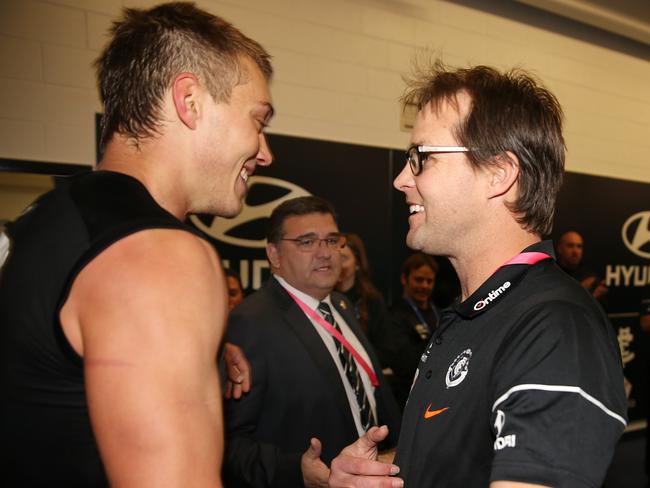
<point>147,315</point>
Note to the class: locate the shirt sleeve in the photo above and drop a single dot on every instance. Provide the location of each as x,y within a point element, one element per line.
<point>558,405</point>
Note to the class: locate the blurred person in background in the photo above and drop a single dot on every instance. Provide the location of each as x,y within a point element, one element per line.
<point>413,319</point>
<point>369,306</point>
<point>235,290</point>
<point>570,248</point>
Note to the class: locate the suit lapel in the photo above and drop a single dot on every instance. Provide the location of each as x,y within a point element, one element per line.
<point>343,307</point>
<point>302,327</point>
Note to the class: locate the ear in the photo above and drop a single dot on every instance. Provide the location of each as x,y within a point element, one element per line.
<point>185,91</point>
<point>503,172</point>
<point>402,279</point>
<point>273,255</point>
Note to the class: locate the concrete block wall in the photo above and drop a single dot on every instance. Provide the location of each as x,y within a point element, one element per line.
<point>339,67</point>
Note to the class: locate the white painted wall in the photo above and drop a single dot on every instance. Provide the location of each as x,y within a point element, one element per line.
<point>338,73</point>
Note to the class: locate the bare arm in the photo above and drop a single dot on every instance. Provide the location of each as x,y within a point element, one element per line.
<point>149,312</point>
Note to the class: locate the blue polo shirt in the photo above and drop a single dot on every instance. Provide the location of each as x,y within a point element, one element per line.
<point>522,381</point>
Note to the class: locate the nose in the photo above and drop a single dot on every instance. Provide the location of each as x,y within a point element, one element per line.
<point>404,180</point>
<point>264,156</point>
<point>323,250</point>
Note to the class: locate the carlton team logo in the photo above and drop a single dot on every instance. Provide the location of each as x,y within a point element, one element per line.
<point>636,234</point>
<point>458,369</point>
<point>237,231</point>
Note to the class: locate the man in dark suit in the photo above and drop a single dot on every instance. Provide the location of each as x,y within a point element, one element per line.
<point>311,395</point>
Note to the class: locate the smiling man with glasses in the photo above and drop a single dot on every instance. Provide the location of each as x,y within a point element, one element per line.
<point>521,383</point>
<point>317,384</point>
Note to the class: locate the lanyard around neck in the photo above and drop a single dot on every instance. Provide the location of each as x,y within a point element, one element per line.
<point>529,258</point>
<point>419,315</point>
<point>338,336</point>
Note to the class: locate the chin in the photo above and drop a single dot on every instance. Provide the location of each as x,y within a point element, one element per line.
<point>412,241</point>
<point>233,209</point>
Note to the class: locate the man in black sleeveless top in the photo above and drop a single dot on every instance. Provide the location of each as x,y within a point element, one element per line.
<point>111,308</point>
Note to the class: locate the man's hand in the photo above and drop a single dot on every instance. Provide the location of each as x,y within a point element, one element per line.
<point>314,471</point>
<point>597,289</point>
<point>357,465</point>
<point>600,291</point>
<point>238,371</point>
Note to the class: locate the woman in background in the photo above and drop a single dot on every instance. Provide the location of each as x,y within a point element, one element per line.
<point>369,306</point>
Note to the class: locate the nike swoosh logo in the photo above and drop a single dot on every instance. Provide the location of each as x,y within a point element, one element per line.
<point>432,413</point>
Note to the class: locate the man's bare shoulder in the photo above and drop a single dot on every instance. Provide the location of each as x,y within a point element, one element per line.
<point>150,311</point>
<point>154,279</point>
<point>163,251</point>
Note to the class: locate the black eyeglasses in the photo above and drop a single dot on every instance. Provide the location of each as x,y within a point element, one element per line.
<point>417,155</point>
<point>310,243</point>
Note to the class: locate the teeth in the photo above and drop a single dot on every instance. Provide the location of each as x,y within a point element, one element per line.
<point>243,174</point>
<point>416,208</point>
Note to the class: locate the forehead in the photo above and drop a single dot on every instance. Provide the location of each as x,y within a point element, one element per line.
<point>435,123</point>
<point>571,239</point>
<point>312,223</point>
<point>232,282</point>
<point>423,271</point>
<point>254,88</point>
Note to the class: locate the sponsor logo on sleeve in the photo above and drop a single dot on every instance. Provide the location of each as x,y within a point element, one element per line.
<point>501,442</point>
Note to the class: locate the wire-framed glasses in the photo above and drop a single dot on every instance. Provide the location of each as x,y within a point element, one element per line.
<point>311,242</point>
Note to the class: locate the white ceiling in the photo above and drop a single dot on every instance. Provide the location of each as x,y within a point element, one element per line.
<point>627,18</point>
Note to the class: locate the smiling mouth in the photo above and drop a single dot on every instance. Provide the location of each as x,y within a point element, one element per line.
<point>244,174</point>
<point>415,208</point>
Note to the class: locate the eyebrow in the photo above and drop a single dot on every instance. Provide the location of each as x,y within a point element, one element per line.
<point>315,234</point>
<point>269,108</point>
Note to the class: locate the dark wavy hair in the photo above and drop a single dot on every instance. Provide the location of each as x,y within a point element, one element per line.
<point>363,284</point>
<point>509,111</point>
<point>149,48</point>
<point>416,261</point>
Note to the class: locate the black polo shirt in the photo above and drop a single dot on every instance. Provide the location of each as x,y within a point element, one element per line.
<point>522,381</point>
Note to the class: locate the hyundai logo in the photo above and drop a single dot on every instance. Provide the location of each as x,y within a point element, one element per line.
<point>636,234</point>
<point>223,229</point>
